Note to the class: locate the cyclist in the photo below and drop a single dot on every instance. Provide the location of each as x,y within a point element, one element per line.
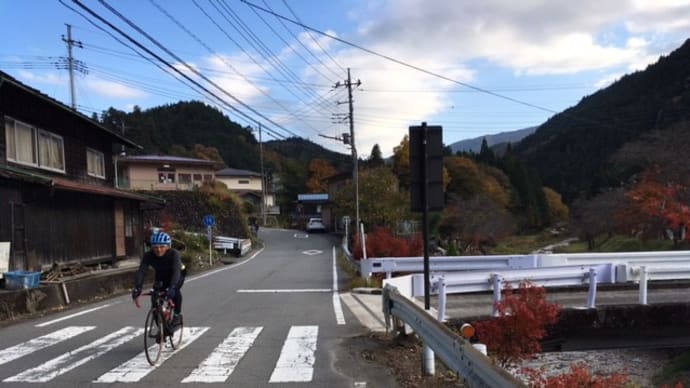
<point>169,272</point>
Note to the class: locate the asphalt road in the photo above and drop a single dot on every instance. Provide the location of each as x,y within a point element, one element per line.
<point>274,319</point>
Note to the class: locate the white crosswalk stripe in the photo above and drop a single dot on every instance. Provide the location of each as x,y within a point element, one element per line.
<point>71,360</point>
<point>138,367</point>
<point>222,362</point>
<point>295,362</point>
<point>36,344</point>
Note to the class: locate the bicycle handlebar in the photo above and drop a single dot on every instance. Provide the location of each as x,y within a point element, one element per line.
<point>160,294</point>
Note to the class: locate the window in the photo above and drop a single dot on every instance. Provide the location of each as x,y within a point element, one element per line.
<point>95,163</point>
<point>166,177</point>
<point>186,179</point>
<point>208,177</point>
<point>34,147</point>
<point>197,177</point>
<point>243,181</point>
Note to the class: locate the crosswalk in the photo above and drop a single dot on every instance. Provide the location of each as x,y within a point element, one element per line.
<point>295,363</point>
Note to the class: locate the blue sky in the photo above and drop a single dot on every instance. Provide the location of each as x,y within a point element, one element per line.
<point>473,67</point>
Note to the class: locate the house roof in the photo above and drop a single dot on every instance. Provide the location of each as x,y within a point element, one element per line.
<point>233,172</point>
<point>157,159</point>
<point>15,173</point>
<point>7,79</point>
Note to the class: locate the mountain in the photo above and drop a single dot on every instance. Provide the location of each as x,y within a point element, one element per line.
<point>572,151</point>
<point>475,144</point>
<point>175,129</point>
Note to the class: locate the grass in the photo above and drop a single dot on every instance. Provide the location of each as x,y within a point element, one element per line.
<point>675,372</point>
<point>355,279</point>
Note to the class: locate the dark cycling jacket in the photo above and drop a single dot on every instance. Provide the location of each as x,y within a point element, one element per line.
<point>168,268</point>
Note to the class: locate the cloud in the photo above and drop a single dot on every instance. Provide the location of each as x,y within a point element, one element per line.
<point>528,38</point>
<point>112,89</point>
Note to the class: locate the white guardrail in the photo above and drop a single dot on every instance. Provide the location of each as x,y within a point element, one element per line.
<point>489,273</point>
<point>461,274</point>
<point>238,246</point>
<point>455,352</point>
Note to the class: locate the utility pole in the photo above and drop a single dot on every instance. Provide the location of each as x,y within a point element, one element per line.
<point>263,179</point>
<point>70,62</point>
<point>351,141</point>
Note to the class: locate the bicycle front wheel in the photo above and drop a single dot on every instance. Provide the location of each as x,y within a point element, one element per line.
<point>153,343</point>
<point>175,337</point>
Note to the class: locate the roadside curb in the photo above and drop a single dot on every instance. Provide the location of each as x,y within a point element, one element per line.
<point>367,290</point>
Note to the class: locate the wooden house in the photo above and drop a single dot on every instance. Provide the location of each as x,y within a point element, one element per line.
<point>58,201</point>
<point>163,173</point>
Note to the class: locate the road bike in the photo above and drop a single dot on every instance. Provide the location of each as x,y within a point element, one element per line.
<point>158,327</point>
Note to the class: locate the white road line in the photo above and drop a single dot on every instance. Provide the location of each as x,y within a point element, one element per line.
<point>287,290</point>
<point>21,350</point>
<point>75,314</point>
<point>138,367</point>
<point>337,307</point>
<point>296,361</point>
<point>71,360</point>
<point>222,362</point>
<point>225,268</point>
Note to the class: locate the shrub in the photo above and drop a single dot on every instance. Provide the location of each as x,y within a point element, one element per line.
<point>382,243</point>
<point>515,334</point>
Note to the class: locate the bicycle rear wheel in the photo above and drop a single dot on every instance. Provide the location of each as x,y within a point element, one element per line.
<point>153,343</point>
<point>175,337</point>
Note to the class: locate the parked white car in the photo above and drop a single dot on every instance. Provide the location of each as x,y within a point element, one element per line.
<point>315,225</point>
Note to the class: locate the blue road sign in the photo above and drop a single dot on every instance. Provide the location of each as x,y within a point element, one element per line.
<point>209,220</point>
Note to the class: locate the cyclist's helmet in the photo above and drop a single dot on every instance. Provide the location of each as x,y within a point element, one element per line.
<point>160,238</point>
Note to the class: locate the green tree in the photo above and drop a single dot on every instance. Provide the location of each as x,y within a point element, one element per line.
<point>401,162</point>
<point>375,158</point>
<point>381,203</point>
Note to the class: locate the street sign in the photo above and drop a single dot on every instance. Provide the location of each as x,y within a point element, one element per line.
<point>209,220</point>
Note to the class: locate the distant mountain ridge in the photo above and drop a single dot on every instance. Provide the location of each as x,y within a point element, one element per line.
<point>572,150</point>
<point>475,144</point>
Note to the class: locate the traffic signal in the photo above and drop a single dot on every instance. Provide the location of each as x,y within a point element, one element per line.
<point>426,167</point>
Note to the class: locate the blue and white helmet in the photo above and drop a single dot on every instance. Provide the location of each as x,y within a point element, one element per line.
<point>160,238</point>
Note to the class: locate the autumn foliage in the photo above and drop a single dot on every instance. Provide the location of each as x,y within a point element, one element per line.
<point>523,317</point>
<point>382,243</point>
<point>656,205</point>
<point>515,335</point>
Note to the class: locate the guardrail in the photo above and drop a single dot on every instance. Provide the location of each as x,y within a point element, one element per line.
<point>237,246</point>
<point>389,265</point>
<point>455,352</point>
<point>474,281</point>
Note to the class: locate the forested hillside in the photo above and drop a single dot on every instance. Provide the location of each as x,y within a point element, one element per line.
<point>571,151</point>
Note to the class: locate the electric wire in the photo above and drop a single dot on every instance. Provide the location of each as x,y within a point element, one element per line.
<point>192,69</point>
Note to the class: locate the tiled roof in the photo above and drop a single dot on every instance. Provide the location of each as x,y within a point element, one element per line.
<point>4,77</point>
<point>165,159</point>
<point>15,173</point>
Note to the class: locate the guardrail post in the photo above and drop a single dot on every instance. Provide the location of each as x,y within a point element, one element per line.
<point>496,280</point>
<point>429,367</point>
<point>592,294</point>
<point>643,284</point>
<point>441,299</point>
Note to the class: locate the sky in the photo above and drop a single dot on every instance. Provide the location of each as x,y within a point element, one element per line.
<point>473,67</point>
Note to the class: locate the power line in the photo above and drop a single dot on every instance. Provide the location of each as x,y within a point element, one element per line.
<point>190,68</point>
<point>399,62</point>
<point>210,50</point>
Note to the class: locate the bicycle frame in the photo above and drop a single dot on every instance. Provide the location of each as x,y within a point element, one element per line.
<point>158,325</point>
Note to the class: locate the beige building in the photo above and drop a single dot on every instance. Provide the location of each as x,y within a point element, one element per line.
<point>248,185</point>
<point>156,172</point>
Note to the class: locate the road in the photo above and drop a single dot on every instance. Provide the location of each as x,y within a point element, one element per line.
<point>274,319</point>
